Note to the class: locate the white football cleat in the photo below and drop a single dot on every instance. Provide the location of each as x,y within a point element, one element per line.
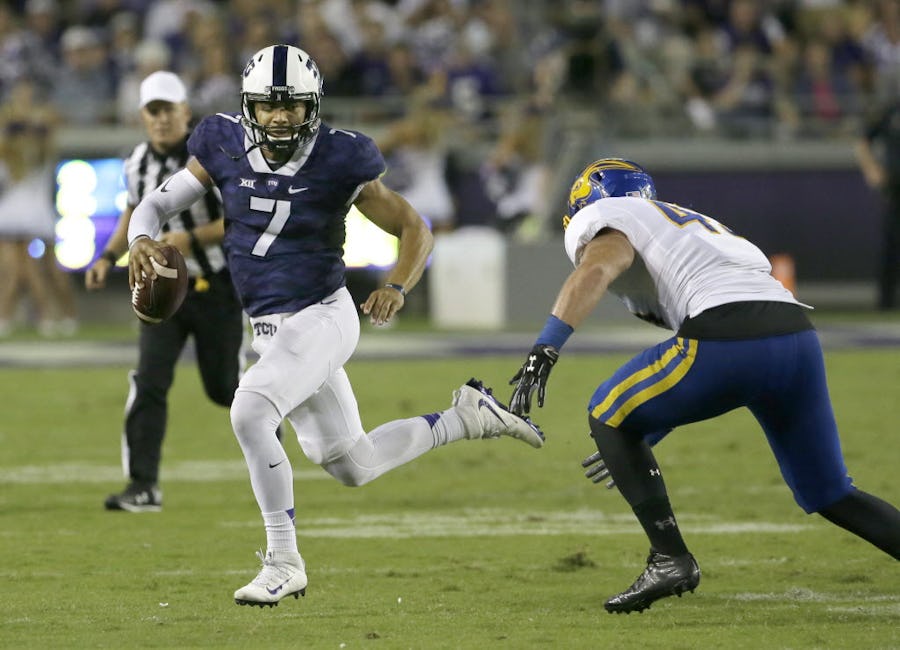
<point>485,417</point>
<point>283,574</point>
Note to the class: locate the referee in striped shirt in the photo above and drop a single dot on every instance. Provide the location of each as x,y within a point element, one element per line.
<point>211,312</point>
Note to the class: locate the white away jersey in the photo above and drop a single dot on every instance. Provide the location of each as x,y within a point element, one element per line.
<point>686,262</point>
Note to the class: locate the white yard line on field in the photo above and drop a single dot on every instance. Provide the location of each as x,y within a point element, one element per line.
<point>186,471</point>
<point>492,523</point>
<point>802,594</point>
<point>842,604</point>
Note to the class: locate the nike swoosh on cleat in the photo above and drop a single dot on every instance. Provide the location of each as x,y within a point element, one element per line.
<point>277,589</point>
<point>485,403</point>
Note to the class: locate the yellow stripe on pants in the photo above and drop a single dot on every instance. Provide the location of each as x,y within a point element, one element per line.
<point>651,391</point>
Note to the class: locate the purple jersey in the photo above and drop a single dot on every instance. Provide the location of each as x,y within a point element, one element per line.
<point>284,228</point>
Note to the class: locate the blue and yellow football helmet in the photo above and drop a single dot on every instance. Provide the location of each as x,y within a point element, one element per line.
<point>605,178</point>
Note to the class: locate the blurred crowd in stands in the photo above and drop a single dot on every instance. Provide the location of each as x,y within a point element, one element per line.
<point>733,67</point>
<point>459,93</point>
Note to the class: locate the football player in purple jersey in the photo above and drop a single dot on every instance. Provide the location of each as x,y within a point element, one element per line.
<point>287,181</point>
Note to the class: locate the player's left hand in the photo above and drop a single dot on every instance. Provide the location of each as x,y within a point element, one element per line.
<point>532,376</point>
<point>597,470</point>
<point>382,304</point>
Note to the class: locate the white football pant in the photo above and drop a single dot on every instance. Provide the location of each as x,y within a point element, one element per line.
<point>299,377</point>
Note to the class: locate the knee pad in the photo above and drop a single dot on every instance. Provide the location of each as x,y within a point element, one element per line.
<point>356,467</point>
<point>630,462</point>
<point>348,472</point>
<point>253,414</point>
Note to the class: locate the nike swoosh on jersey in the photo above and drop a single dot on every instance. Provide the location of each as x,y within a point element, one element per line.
<point>296,190</point>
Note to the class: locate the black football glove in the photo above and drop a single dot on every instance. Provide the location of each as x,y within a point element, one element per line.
<point>597,469</point>
<point>532,376</point>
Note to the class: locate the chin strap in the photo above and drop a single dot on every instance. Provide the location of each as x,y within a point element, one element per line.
<point>256,145</point>
<point>240,155</point>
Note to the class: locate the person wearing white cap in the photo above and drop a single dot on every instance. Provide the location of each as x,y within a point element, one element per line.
<point>163,86</point>
<point>211,312</point>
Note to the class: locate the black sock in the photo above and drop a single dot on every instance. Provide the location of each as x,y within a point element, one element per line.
<point>658,521</point>
<point>632,466</point>
<point>865,515</point>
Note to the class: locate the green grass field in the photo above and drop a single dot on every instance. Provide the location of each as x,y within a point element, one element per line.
<point>482,544</point>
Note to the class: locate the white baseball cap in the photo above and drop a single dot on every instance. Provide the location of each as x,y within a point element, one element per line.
<point>162,86</point>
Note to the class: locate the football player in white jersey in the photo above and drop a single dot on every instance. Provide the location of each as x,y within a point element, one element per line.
<point>741,340</point>
<point>287,180</point>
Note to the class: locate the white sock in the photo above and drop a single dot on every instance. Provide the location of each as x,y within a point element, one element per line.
<point>446,427</point>
<point>281,536</point>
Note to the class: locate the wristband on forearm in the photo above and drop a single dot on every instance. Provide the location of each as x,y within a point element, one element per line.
<point>396,287</point>
<point>137,237</point>
<point>556,332</point>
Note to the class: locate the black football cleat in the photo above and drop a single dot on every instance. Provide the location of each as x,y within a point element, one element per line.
<point>136,498</point>
<point>665,575</point>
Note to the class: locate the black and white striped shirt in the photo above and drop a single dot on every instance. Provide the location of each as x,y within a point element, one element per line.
<point>145,170</point>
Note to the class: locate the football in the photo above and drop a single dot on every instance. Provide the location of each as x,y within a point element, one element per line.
<point>159,299</point>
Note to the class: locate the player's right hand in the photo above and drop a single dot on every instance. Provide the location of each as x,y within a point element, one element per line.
<point>532,376</point>
<point>140,266</point>
<point>95,278</point>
